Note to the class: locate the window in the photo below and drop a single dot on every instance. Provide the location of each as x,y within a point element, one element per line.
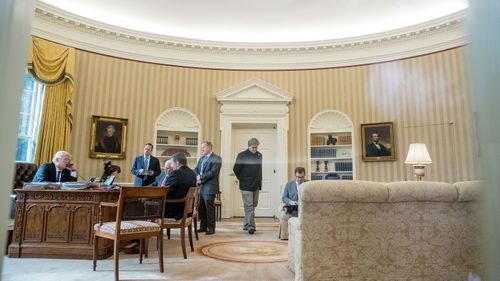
<point>29,118</point>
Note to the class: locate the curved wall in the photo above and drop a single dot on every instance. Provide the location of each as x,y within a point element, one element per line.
<point>427,97</point>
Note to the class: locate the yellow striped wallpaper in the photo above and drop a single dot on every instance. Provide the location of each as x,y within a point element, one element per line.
<point>427,98</point>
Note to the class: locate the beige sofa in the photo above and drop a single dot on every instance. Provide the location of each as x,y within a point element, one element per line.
<point>361,230</point>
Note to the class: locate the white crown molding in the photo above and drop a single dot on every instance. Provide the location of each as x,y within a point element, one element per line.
<point>72,30</point>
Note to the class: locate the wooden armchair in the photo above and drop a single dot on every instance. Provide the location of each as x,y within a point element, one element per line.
<point>196,203</point>
<point>141,228</point>
<point>185,221</point>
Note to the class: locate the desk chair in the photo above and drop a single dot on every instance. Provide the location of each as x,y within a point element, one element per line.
<point>141,228</point>
<point>185,221</point>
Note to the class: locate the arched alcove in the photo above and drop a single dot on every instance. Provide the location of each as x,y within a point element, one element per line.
<point>177,129</point>
<point>331,146</point>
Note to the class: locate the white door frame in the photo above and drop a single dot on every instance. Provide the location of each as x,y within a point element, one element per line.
<point>252,102</point>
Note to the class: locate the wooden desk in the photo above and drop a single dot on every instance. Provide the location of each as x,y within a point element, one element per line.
<point>59,223</point>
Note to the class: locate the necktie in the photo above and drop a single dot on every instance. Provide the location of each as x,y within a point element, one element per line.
<point>164,180</point>
<point>203,162</point>
<point>146,163</point>
<point>58,176</point>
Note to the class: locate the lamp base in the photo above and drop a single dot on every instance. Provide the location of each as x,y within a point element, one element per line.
<point>419,171</point>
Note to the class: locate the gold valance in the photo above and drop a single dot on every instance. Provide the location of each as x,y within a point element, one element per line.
<point>49,62</point>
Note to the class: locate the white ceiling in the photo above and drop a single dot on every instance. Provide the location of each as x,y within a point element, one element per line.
<point>261,20</point>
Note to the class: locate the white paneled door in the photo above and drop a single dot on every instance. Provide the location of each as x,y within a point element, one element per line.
<point>266,134</point>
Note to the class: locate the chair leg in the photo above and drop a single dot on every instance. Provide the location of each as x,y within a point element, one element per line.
<point>146,247</point>
<point>160,250</point>
<point>141,247</point>
<point>196,228</point>
<point>168,233</point>
<point>94,255</point>
<point>183,242</point>
<point>117,258</point>
<point>190,235</point>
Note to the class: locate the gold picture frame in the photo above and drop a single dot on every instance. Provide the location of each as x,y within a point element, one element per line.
<point>108,137</point>
<point>377,140</point>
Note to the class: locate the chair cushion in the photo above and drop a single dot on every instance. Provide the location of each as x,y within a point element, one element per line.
<point>127,227</point>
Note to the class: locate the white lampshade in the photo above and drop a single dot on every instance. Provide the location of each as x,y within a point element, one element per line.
<point>418,154</point>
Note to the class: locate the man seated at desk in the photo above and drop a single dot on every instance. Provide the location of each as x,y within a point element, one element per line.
<point>59,170</point>
<point>178,184</point>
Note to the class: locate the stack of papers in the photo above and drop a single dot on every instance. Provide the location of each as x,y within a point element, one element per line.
<point>42,185</point>
<point>74,185</point>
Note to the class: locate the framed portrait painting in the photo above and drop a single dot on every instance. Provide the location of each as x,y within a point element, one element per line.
<point>377,140</point>
<point>108,137</point>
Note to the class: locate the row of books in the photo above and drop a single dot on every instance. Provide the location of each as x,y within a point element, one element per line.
<point>323,152</point>
<point>343,166</point>
<point>162,140</point>
<point>325,177</point>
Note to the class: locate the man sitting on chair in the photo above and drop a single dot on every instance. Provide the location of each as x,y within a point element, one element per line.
<point>178,184</point>
<point>291,193</point>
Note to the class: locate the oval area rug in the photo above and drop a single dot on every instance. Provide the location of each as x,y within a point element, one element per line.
<point>248,251</point>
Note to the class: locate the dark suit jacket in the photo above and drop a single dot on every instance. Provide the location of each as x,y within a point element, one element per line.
<point>47,173</point>
<point>372,150</point>
<point>210,174</point>
<point>178,184</point>
<point>141,180</point>
<point>248,170</point>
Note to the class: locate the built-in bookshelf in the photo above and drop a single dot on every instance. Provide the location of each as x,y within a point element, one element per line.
<point>331,147</point>
<point>177,130</point>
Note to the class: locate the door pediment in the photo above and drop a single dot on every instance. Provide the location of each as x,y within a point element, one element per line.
<point>254,90</point>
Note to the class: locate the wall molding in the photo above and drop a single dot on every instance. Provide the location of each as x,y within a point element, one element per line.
<point>82,33</point>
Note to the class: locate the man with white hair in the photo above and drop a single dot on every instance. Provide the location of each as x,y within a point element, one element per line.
<point>59,170</point>
<point>162,178</point>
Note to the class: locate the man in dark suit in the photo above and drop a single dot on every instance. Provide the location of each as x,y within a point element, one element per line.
<point>59,170</point>
<point>291,192</point>
<point>375,148</point>
<point>248,170</point>
<point>178,184</point>
<point>146,167</point>
<point>207,171</point>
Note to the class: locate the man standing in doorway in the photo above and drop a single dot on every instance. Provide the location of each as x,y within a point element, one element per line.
<point>146,167</point>
<point>248,170</point>
<point>207,171</point>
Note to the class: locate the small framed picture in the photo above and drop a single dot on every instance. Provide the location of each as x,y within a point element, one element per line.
<point>108,137</point>
<point>377,140</point>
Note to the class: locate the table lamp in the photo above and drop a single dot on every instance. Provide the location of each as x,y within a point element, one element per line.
<point>418,156</point>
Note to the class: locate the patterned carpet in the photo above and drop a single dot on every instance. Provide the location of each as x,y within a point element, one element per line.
<point>248,251</point>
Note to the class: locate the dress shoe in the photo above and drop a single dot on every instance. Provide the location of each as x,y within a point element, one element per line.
<point>202,229</point>
<point>245,228</point>
<point>251,230</point>
<point>210,232</point>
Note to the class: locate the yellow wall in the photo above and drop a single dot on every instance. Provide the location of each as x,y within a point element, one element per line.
<point>427,98</point>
